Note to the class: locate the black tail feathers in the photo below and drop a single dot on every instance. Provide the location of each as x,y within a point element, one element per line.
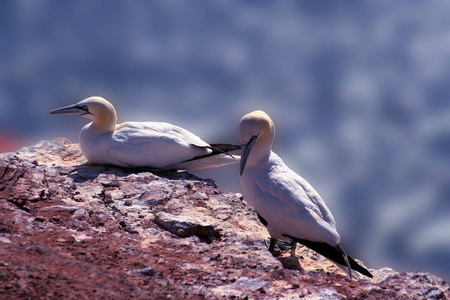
<point>224,148</point>
<point>334,253</point>
<point>216,149</point>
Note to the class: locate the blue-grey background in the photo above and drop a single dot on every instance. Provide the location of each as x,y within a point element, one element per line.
<point>358,91</point>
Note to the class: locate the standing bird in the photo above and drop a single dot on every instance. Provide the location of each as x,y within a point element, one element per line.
<point>155,145</point>
<point>285,202</point>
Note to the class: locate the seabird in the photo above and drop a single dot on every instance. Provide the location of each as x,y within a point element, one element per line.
<point>155,145</point>
<point>286,203</point>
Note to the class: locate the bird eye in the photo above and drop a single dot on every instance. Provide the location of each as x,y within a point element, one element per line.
<point>85,107</point>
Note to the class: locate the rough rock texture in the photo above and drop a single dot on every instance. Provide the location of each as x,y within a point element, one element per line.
<point>70,230</point>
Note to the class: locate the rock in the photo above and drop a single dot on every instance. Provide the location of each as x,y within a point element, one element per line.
<point>4,239</point>
<point>251,284</point>
<point>185,226</point>
<point>101,232</point>
<point>148,271</point>
<point>241,287</point>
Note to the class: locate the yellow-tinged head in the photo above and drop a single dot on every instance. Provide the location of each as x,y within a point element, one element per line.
<point>256,132</point>
<point>98,109</point>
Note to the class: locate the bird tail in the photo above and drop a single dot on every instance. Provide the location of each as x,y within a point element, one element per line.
<point>205,162</point>
<point>224,148</point>
<point>335,254</point>
<point>218,157</point>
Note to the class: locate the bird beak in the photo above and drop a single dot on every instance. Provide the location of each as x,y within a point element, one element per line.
<point>246,149</point>
<point>76,110</point>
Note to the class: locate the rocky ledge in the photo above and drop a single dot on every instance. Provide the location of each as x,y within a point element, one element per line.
<point>69,230</point>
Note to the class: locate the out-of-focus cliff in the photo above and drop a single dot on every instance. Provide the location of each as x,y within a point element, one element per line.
<point>70,230</point>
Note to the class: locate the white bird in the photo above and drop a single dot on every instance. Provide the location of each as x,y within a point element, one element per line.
<point>285,202</point>
<point>154,145</point>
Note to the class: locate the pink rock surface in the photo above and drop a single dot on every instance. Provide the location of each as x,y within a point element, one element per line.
<point>70,230</point>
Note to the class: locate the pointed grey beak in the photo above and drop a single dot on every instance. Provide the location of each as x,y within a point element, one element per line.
<point>246,149</point>
<point>76,110</point>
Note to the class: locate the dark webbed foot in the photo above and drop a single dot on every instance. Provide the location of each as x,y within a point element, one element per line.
<point>276,247</point>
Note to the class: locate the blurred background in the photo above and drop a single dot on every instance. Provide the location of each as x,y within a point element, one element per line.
<point>358,91</point>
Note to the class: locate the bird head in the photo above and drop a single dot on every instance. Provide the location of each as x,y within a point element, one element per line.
<point>256,133</point>
<point>98,109</point>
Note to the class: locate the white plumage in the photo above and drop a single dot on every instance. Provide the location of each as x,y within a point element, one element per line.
<point>285,202</point>
<point>141,144</point>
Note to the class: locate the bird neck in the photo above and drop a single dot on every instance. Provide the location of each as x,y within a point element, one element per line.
<point>259,155</point>
<point>104,124</point>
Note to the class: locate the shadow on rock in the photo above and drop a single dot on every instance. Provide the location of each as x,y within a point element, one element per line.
<point>85,172</point>
<point>290,263</point>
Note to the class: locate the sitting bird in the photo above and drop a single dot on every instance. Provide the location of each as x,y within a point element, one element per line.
<point>286,203</point>
<point>154,145</point>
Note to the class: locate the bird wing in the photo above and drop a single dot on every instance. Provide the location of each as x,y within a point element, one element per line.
<point>315,201</point>
<point>292,208</point>
<point>155,145</point>
<point>165,129</point>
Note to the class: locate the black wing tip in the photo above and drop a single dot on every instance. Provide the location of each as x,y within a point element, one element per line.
<point>332,253</point>
<point>216,149</point>
<point>357,267</point>
<point>225,147</point>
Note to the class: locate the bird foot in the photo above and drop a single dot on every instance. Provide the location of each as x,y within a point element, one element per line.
<point>280,247</point>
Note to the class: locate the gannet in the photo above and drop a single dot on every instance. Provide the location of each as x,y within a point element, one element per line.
<point>154,145</point>
<point>286,203</point>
